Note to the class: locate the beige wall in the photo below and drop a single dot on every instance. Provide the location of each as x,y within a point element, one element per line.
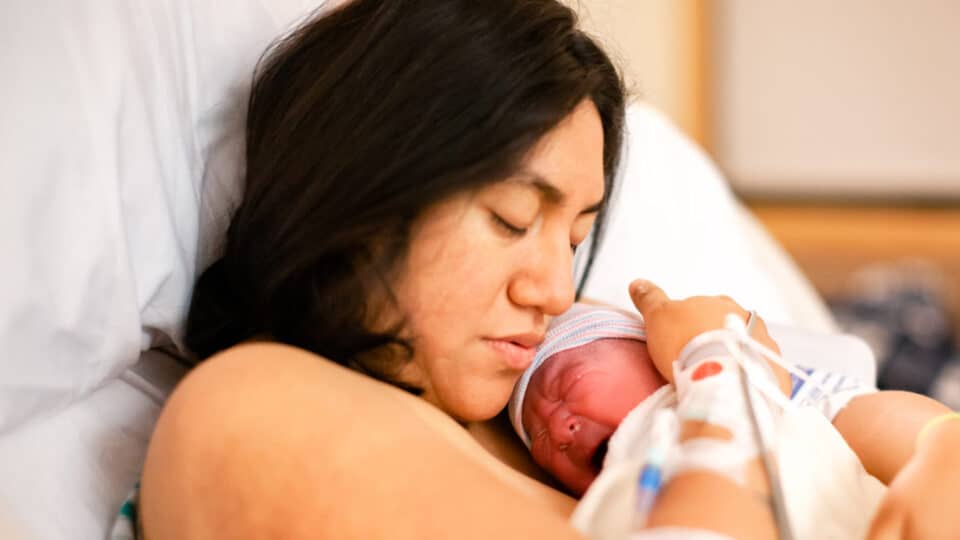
<point>657,42</point>
<point>826,98</point>
<point>852,99</point>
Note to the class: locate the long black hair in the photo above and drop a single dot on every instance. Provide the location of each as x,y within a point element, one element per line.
<point>358,121</point>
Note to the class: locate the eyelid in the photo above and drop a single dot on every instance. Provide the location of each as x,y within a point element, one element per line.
<point>506,225</point>
<point>580,242</point>
<point>575,245</point>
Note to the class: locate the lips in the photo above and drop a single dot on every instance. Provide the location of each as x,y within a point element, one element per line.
<point>515,355</point>
<point>529,339</point>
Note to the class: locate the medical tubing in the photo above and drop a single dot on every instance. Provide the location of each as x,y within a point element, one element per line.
<point>648,488</point>
<point>737,343</point>
<point>664,434</point>
<point>784,529</point>
<point>727,336</point>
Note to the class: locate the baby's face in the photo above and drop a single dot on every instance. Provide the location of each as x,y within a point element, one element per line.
<point>576,400</point>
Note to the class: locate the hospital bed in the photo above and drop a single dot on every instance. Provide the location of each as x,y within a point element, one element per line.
<point>120,147</point>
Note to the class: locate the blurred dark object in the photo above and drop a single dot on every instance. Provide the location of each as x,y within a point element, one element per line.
<point>901,310</point>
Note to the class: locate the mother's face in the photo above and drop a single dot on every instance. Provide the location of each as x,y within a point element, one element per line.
<point>486,270</point>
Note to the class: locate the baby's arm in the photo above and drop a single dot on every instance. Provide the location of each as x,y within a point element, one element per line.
<point>882,427</point>
<point>924,476</point>
<point>675,323</point>
<point>701,497</point>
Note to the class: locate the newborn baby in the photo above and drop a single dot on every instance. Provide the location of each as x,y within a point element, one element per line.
<point>592,369</point>
<point>566,409</point>
<point>592,399</point>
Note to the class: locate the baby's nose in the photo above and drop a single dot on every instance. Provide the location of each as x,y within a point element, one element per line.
<point>563,429</point>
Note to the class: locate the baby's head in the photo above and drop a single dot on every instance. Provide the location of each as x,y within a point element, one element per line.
<point>591,370</point>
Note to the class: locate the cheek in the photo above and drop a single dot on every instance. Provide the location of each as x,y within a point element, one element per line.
<point>456,267</point>
<point>536,408</point>
<point>452,294</point>
<point>621,377</point>
<point>607,398</point>
<point>609,406</point>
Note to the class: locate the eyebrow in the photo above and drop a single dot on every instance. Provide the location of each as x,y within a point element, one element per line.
<point>550,192</point>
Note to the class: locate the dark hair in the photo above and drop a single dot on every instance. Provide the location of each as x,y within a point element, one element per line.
<point>357,122</point>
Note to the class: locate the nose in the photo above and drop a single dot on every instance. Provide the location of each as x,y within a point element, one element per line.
<point>546,280</point>
<point>564,428</point>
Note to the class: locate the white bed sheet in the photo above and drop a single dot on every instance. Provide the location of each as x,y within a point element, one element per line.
<point>66,475</point>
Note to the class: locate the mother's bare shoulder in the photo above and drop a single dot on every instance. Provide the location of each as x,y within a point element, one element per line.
<point>266,440</point>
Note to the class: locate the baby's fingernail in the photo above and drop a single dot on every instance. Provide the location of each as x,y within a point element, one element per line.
<point>638,287</point>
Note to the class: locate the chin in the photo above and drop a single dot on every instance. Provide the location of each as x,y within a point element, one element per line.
<point>575,482</point>
<point>474,395</point>
<point>478,409</point>
<point>480,412</point>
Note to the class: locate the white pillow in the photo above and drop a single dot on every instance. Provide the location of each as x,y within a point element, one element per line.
<point>674,221</point>
<point>119,118</point>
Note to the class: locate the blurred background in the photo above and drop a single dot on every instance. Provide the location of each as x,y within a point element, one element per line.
<point>838,123</point>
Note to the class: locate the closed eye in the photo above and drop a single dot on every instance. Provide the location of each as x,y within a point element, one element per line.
<point>507,227</point>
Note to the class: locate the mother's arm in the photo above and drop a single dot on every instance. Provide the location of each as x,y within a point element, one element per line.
<point>924,475</point>
<point>267,441</point>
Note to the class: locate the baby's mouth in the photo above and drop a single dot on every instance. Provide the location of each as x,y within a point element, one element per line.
<point>589,445</point>
<point>599,455</point>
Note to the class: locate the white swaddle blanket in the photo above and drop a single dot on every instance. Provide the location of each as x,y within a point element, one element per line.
<point>828,493</point>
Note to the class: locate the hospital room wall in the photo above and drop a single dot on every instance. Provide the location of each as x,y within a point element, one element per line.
<point>814,99</point>
<point>659,45</point>
<point>854,99</point>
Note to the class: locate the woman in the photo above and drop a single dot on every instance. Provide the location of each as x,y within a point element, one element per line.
<point>419,174</point>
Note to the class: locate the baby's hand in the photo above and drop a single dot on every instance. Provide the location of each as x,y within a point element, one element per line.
<point>671,324</point>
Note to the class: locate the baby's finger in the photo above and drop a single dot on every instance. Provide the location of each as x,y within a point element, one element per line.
<point>647,296</point>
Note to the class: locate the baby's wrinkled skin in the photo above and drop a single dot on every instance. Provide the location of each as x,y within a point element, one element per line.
<point>576,400</point>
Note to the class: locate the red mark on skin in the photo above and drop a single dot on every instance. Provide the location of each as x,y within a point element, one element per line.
<point>706,369</point>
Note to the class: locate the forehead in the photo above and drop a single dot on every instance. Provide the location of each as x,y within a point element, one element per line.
<point>608,361</point>
<point>571,155</point>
